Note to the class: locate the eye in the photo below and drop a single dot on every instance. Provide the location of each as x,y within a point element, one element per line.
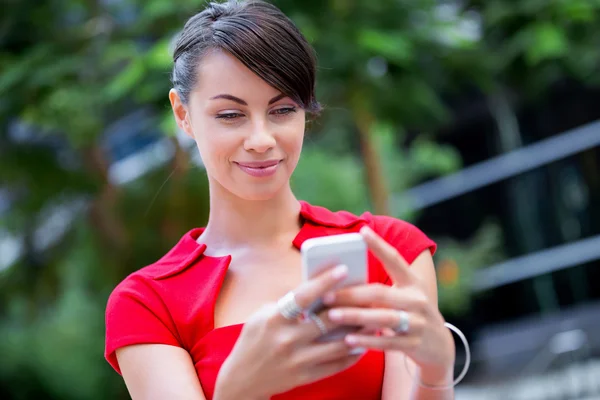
<point>284,111</point>
<point>229,116</point>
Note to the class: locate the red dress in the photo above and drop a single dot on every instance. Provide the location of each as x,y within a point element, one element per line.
<point>172,302</point>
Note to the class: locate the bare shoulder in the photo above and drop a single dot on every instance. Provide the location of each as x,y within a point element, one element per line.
<point>158,371</point>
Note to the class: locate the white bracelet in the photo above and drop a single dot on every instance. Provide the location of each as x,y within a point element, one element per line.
<point>464,370</point>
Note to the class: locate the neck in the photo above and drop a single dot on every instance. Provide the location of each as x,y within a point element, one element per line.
<point>238,223</point>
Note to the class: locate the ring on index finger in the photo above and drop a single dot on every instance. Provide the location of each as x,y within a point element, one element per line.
<point>403,323</point>
<point>288,307</point>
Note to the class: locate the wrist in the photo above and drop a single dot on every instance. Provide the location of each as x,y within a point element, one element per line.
<point>440,373</point>
<point>439,376</point>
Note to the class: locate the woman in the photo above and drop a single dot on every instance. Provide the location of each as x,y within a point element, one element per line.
<point>211,319</point>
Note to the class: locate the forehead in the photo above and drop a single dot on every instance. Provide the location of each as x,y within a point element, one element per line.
<point>221,73</point>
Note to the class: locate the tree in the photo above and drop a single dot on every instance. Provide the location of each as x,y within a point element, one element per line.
<point>73,69</point>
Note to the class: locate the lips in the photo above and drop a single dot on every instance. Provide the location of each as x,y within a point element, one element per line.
<point>258,164</point>
<point>259,169</point>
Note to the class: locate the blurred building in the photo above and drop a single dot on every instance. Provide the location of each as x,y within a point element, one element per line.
<point>535,170</point>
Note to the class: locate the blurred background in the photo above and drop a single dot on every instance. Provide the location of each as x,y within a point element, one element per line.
<point>479,121</point>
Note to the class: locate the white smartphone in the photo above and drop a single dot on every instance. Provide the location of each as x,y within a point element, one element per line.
<point>320,253</point>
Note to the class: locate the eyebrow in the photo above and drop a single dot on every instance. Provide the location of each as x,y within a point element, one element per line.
<point>242,102</point>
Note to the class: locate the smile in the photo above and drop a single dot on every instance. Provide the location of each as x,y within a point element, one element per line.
<point>259,169</point>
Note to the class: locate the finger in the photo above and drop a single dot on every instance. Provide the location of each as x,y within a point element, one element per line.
<point>375,318</point>
<point>312,290</point>
<point>325,370</point>
<point>376,295</point>
<point>309,330</point>
<point>367,330</point>
<point>393,262</point>
<point>404,343</point>
<point>320,353</point>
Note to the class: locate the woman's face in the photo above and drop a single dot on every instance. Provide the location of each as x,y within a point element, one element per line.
<point>248,133</point>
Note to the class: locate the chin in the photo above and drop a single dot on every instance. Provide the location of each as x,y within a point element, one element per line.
<point>258,192</point>
<point>257,195</point>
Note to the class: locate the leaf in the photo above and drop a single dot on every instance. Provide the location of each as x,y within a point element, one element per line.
<point>396,47</point>
<point>15,71</point>
<point>433,158</point>
<point>547,41</point>
<point>154,9</point>
<point>125,81</point>
<point>497,12</point>
<point>306,26</point>
<point>335,182</point>
<point>577,10</point>
<point>167,123</point>
<point>159,56</point>
<point>119,52</point>
<point>481,250</point>
<point>424,96</point>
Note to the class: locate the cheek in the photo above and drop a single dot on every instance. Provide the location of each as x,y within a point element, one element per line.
<point>294,138</point>
<point>213,147</point>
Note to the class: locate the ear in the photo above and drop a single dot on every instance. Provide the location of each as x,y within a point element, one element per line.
<point>181,113</point>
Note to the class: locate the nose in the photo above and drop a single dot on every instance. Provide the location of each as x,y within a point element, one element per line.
<point>260,139</point>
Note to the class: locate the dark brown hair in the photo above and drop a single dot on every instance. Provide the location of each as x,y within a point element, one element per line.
<point>260,36</point>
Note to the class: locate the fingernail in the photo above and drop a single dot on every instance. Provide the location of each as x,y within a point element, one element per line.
<point>340,271</point>
<point>351,340</point>
<point>365,230</point>
<point>335,315</point>
<point>329,298</point>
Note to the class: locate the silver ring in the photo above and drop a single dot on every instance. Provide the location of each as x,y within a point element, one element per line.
<point>318,322</point>
<point>288,307</point>
<point>404,323</point>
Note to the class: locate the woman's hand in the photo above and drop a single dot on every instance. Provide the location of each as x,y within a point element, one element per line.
<point>274,354</point>
<point>427,341</point>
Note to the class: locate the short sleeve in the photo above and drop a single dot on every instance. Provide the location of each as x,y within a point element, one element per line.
<point>136,314</point>
<point>409,240</point>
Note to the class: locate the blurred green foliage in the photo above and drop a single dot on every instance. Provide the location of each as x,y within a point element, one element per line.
<point>69,68</point>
